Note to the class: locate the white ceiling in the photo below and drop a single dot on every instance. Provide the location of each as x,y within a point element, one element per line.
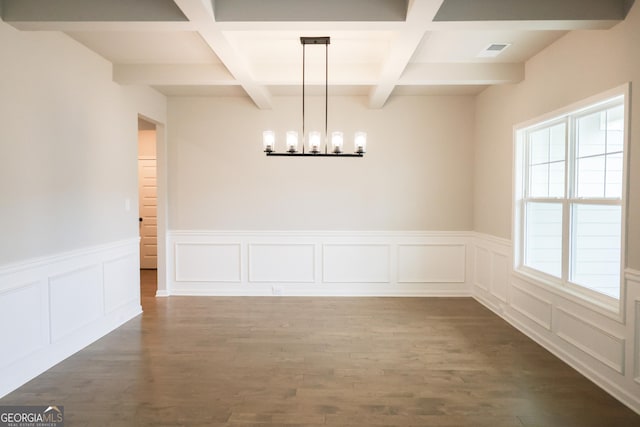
<point>379,48</point>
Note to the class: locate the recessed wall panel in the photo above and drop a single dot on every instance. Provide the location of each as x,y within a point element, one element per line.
<point>119,286</point>
<point>431,263</point>
<point>482,268</point>
<point>596,342</point>
<point>282,263</point>
<point>531,306</point>
<point>207,262</point>
<point>500,276</point>
<point>355,263</point>
<point>74,301</point>
<point>21,315</point>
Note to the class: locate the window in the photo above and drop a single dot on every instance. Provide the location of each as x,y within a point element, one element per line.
<point>570,193</point>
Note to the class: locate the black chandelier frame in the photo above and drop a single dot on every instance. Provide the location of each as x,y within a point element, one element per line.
<point>316,153</point>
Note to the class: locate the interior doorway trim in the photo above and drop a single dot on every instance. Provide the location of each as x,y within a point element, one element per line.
<point>162,212</point>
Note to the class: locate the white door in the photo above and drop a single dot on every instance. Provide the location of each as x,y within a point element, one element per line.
<point>148,207</point>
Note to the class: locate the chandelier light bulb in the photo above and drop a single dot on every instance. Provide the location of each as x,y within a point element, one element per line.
<point>337,142</point>
<point>314,142</point>
<point>360,142</point>
<point>292,141</point>
<point>268,140</point>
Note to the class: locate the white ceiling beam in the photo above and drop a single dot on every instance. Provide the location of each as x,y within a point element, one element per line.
<point>462,74</point>
<point>287,73</point>
<point>200,13</point>
<point>402,49</point>
<point>172,74</point>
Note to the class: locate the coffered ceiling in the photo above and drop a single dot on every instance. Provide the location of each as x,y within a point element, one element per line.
<point>252,47</point>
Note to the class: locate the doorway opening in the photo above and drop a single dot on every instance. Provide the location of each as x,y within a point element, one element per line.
<point>148,201</point>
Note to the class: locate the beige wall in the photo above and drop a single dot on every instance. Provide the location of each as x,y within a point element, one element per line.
<point>416,174</point>
<point>579,65</point>
<point>68,146</point>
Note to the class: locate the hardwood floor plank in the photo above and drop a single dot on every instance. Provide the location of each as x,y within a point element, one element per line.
<point>319,361</point>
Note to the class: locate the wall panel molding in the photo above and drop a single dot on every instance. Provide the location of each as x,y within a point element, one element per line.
<point>492,267</point>
<point>361,263</point>
<point>632,275</point>
<point>482,268</point>
<point>117,274</point>
<point>24,305</point>
<point>66,290</point>
<point>281,262</point>
<point>356,263</point>
<point>591,339</point>
<point>601,344</point>
<point>203,262</point>
<point>532,307</point>
<point>427,263</point>
<point>500,276</point>
<point>53,306</point>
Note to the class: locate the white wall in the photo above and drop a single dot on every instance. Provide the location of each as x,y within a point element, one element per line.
<point>392,223</point>
<point>68,163</point>
<point>579,65</point>
<point>68,147</point>
<point>601,344</point>
<point>416,174</point>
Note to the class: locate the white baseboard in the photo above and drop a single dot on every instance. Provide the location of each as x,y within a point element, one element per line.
<point>51,307</point>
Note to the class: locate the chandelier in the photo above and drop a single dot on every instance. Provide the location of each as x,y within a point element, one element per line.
<point>314,137</point>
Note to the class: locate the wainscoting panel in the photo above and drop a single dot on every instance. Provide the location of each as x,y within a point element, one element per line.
<point>323,263</point>
<point>203,262</point>
<point>355,263</point>
<point>282,263</point>
<point>65,290</point>
<point>602,344</point>
<point>591,339</point>
<point>482,268</point>
<point>118,291</point>
<point>431,263</point>
<point>500,276</point>
<point>532,307</point>
<point>21,318</point>
<point>53,306</point>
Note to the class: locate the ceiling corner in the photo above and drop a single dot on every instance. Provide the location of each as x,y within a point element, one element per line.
<point>627,6</point>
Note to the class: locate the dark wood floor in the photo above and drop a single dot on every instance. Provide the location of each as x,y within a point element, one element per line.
<point>319,361</point>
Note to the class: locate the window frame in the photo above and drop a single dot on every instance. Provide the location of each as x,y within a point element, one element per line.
<point>569,116</point>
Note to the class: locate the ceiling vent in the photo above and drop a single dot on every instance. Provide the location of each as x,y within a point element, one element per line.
<point>493,50</point>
